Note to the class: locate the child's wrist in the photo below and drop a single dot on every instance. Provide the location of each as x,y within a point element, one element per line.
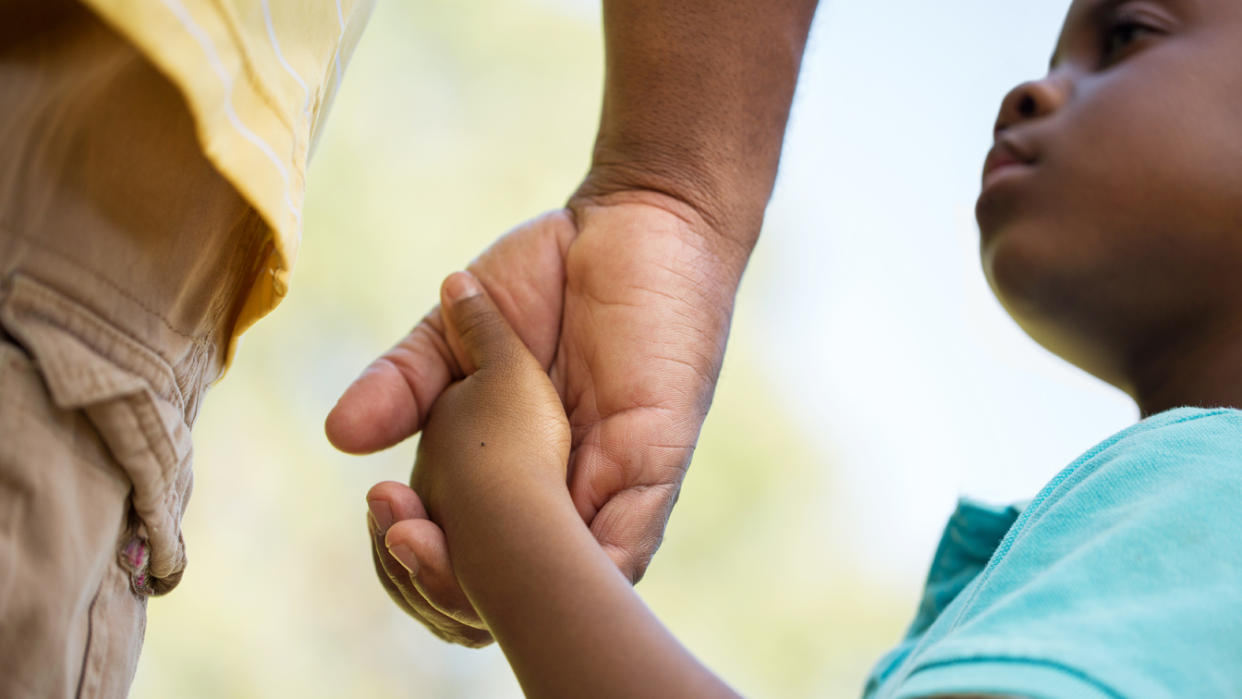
<point>471,510</point>
<point>494,529</point>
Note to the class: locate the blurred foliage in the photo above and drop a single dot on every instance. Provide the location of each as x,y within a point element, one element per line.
<point>456,121</point>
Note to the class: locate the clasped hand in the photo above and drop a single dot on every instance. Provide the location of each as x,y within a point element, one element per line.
<point>625,304</point>
<point>494,441</point>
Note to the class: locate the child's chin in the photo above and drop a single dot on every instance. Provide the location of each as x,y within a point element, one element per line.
<point>1054,302</point>
<point>1021,261</point>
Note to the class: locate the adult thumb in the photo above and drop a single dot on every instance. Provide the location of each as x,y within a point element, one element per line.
<point>478,334</point>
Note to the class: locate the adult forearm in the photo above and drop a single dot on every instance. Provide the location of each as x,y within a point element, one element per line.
<point>569,623</point>
<point>696,97</point>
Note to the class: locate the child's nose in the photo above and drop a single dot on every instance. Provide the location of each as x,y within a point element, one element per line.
<point>1030,100</point>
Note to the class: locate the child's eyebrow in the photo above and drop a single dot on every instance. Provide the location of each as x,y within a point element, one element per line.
<point>1093,15</point>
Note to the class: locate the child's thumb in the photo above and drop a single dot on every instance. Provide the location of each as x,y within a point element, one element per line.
<point>477,332</point>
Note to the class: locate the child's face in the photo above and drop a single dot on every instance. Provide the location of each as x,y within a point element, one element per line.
<point>1118,234</point>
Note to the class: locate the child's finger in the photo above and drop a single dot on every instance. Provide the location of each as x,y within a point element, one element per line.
<point>390,502</point>
<point>400,499</point>
<point>477,332</point>
<point>396,581</point>
<point>400,587</point>
<point>435,580</point>
<point>394,593</point>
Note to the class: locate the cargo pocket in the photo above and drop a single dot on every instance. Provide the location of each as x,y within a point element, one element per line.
<point>131,397</point>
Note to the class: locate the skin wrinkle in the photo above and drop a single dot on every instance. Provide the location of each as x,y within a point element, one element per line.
<point>685,315</point>
<point>595,459</point>
<point>633,409</point>
<point>694,227</point>
<point>608,462</point>
<point>680,308</point>
<point>414,373</point>
<point>689,365</point>
<point>649,539</point>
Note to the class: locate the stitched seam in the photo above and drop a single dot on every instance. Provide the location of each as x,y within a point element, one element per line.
<point>37,243</point>
<point>104,328</point>
<point>256,233</point>
<point>90,639</point>
<point>90,461</point>
<point>200,343</point>
<point>150,424</point>
<point>139,420</point>
<point>1042,662</point>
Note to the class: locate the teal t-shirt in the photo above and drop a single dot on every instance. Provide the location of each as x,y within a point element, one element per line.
<point>1122,578</point>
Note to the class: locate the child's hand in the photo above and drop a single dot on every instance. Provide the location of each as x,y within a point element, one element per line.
<point>500,433</point>
<point>490,473</point>
<point>496,439</point>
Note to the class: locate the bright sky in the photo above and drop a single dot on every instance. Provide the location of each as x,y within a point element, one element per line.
<point>882,328</point>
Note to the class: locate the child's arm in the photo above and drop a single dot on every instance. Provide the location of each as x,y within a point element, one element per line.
<point>569,623</point>
<point>491,473</point>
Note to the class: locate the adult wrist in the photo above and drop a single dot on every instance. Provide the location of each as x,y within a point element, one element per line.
<point>728,233</point>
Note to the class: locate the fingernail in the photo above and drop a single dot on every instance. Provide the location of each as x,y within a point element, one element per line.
<point>460,286</point>
<point>381,515</point>
<point>402,553</point>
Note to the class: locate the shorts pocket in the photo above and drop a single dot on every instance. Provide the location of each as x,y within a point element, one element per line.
<point>130,396</point>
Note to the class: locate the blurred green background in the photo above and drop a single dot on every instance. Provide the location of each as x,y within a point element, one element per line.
<point>458,120</point>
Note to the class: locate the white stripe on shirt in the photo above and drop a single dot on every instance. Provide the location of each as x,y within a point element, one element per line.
<point>204,41</point>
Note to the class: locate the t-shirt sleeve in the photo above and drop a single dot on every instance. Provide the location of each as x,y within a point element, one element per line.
<point>973,532</point>
<point>1122,579</point>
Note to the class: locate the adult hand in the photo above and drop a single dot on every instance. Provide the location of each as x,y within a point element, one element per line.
<point>626,301</point>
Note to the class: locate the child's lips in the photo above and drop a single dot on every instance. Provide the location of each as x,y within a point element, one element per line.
<point>1007,163</point>
<point>1005,156</point>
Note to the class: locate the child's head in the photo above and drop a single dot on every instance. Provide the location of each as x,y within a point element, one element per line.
<point>1116,241</point>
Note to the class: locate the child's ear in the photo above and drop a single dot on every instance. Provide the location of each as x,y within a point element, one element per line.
<point>476,331</point>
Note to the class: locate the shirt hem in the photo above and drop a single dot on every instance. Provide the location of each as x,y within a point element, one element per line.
<point>1022,677</point>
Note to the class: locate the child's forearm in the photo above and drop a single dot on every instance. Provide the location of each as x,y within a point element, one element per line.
<point>568,621</point>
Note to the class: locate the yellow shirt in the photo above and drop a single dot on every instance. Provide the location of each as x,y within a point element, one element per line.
<point>258,77</point>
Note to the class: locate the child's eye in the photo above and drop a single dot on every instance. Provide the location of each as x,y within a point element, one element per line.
<point>1120,38</point>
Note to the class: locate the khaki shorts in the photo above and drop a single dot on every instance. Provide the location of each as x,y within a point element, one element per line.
<point>123,260</point>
